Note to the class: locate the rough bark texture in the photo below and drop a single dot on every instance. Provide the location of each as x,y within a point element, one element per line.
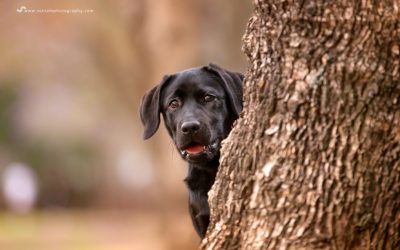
<point>314,161</point>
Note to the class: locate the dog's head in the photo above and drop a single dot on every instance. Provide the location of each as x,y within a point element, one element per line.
<point>198,106</point>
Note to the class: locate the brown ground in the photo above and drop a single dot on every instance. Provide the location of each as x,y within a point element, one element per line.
<point>95,231</point>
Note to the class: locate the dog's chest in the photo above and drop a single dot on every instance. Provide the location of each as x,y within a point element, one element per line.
<point>200,180</point>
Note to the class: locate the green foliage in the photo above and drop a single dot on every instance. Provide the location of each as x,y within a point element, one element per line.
<point>7,98</point>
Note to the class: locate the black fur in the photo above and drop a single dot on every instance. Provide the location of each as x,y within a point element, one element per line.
<point>199,106</point>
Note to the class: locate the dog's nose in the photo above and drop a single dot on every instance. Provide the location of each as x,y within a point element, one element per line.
<point>190,127</point>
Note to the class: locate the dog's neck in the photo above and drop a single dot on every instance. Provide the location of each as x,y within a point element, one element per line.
<point>200,177</point>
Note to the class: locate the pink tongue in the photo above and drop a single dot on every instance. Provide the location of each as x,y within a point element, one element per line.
<point>195,149</point>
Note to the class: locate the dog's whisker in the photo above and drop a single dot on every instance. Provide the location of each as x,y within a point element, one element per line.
<point>172,150</point>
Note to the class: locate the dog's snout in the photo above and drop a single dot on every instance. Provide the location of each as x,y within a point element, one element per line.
<point>190,127</point>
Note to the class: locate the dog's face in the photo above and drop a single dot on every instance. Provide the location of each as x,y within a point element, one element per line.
<point>196,113</point>
<point>198,106</point>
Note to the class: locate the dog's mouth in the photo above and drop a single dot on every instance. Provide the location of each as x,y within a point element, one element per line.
<point>196,149</point>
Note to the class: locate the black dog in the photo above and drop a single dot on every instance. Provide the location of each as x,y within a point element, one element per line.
<point>198,106</point>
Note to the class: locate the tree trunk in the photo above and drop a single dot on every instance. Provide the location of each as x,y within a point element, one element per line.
<point>314,160</point>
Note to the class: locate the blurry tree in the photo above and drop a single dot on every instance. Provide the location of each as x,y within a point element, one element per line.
<point>63,169</point>
<point>314,161</point>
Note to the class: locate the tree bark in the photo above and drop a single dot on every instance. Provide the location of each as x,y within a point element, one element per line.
<point>314,160</point>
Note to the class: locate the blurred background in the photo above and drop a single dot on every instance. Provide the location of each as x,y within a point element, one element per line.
<point>74,170</point>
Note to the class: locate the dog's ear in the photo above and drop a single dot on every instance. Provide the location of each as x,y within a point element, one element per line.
<point>150,109</point>
<point>233,85</point>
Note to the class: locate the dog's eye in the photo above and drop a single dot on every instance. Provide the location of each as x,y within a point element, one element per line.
<point>173,104</point>
<point>209,98</point>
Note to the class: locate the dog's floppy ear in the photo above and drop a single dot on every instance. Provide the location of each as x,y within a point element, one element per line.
<point>232,83</point>
<point>150,109</point>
